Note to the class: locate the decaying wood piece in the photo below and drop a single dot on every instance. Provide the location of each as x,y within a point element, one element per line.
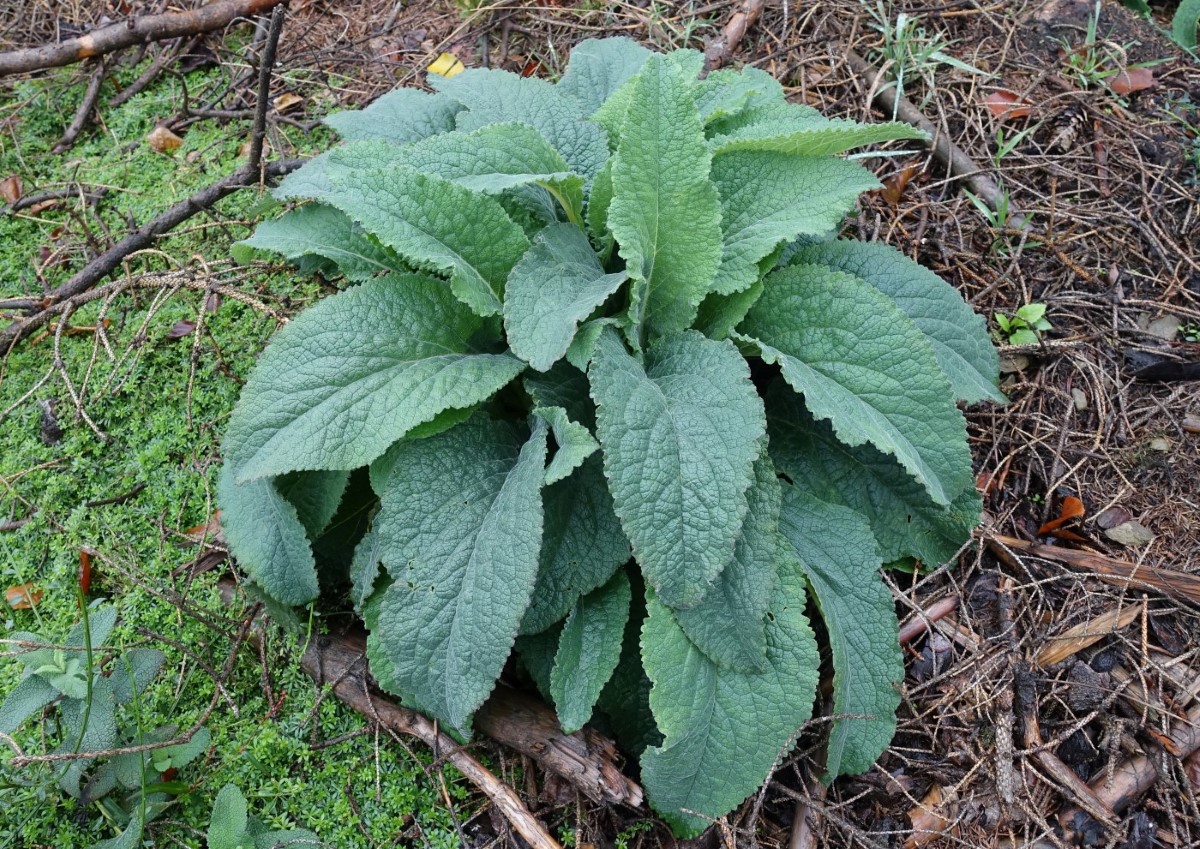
<point>719,51</point>
<point>1079,637</point>
<point>132,31</point>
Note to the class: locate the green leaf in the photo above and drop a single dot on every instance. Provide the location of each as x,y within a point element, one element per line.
<point>358,371</point>
<point>625,699</point>
<point>588,651</point>
<point>133,671</point>
<point>557,284</point>
<point>600,66</point>
<point>769,197</point>
<point>536,653</point>
<point>582,545</point>
<point>720,314</point>
<point>841,562</point>
<point>804,132</point>
<point>130,837</point>
<point>680,437</point>
<point>315,495</point>
<point>227,828</point>
<point>563,386</point>
<point>863,364</point>
<point>724,730</point>
<point>24,700</point>
<point>493,96</point>
<point>665,213</point>
<point>575,443</point>
<point>101,732</point>
<point>903,519</point>
<point>1184,23</point>
<point>317,230</point>
<point>597,211</point>
<point>438,226</point>
<point>401,116</point>
<point>725,92</point>
<point>364,568</point>
<point>292,837</point>
<point>729,625</point>
<point>1024,336</point>
<point>182,754</point>
<point>269,542</point>
<point>100,623</point>
<point>461,527</point>
<point>958,335</point>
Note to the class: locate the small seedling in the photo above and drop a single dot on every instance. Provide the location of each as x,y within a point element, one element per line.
<point>1190,332</point>
<point>1026,326</point>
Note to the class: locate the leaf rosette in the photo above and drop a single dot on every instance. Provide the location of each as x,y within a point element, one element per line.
<point>603,391</point>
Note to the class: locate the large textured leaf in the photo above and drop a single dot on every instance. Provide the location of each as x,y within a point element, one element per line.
<point>317,230</point>
<point>727,92</point>
<point>958,335</point>
<point>495,96</point>
<point>625,699</point>
<point>802,131</point>
<point>575,442</point>
<point>680,436</point>
<point>461,526</point>
<point>401,116</point>
<point>665,213</point>
<point>597,211</point>
<point>24,700</point>
<point>841,562</point>
<point>315,495</point>
<point>724,729</point>
<point>863,365</point>
<point>588,650</point>
<point>437,225</point>
<point>133,671</point>
<point>557,284</point>
<point>1184,23</point>
<point>769,197</point>
<point>100,734</point>
<point>729,625</point>
<point>230,819</point>
<point>268,539</point>
<point>905,522</point>
<point>600,66</point>
<point>582,545</point>
<point>353,374</point>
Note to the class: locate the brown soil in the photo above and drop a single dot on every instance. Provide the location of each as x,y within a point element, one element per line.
<point>1108,186</point>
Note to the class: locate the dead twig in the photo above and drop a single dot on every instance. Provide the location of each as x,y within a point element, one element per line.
<point>266,60</point>
<point>130,32</point>
<point>719,51</point>
<point>90,96</point>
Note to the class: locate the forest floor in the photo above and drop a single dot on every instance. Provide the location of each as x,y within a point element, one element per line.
<point>1054,668</point>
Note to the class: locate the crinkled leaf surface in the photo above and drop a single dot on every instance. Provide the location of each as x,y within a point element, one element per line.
<point>903,519</point>
<point>493,96</point>
<point>726,92</point>
<point>133,671</point>
<point>269,541</point>
<point>841,562</point>
<point>536,653</point>
<point>863,365</point>
<point>680,436</point>
<point>437,225</point>
<point>24,700</point>
<point>575,442</point>
<point>724,729</point>
<point>769,197</point>
<point>665,213</point>
<point>582,545</point>
<point>804,132</point>
<point>556,285</point>
<point>101,732</point>
<point>315,495</point>
<point>600,66</point>
<point>461,527</point>
<point>401,116</point>
<point>227,829</point>
<point>317,230</point>
<point>729,625</point>
<point>957,333</point>
<point>625,699</point>
<point>129,838</point>
<point>588,650</point>
<point>356,372</point>
<point>597,211</point>
<point>364,568</point>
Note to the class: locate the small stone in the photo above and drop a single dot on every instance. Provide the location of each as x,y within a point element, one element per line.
<point>1130,534</point>
<point>1160,443</point>
<point>1165,328</point>
<point>1013,363</point>
<point>1080,399</point>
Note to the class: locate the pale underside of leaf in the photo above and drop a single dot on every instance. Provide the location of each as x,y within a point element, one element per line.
<point>679,437</point>
<point>804,132</point>
<point>862,364</point>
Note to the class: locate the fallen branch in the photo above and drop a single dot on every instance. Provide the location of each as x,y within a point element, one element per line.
<point>719,51</point>
<point>90,96</point>
<point>132,31</point>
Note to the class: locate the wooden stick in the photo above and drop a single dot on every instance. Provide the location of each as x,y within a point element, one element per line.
<point>130,32</point>
<point>719,51</point>
<point>923,619</point>
<point>90,96</point>
<point>1081,636</point>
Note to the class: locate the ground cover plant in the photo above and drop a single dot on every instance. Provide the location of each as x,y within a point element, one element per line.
<point>602,387</point>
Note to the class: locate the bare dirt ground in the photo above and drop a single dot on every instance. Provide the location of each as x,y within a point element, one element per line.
<point>1054,680</point>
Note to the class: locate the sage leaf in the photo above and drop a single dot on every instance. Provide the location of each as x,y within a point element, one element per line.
<point>400,117</point>
<point>598,67</point>
<point>575,442</point>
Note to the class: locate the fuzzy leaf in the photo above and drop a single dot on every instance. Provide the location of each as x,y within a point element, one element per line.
<point>720,314</point>
<point>400,117</point>
<point>315,495</point>
<point>130,837</point>
<point>557,284</point>
<point>356,372</point>
<point>271,546</point>
<point>841,562</point>
<point>597,211</point>
<point>957,333</point>
<point>1184,23</point>
<point>724,729</point>
<point>536,653</point>
<point>575,442</point>
<point>438,226</point>
<point>726,92</point>
<point>582,545</point>
<point>364,568</point>
<point>133,671</point>
<point>862,364</point>
<point>228,826</point>
<point>729,625</point>
<point>680,437</point>
<point>600,66</point>
<point>317,230</point>
<point>101,732</point>
<point>769,197</point>
<point>563,386</point>
<point>495,96</point>
<point>461,526</point>
<point>24,700</point>
<point>804,132</point>
<point>625,699</point>
<point>588,651</point>
<point>665,213</point>
<point>905,522</point>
